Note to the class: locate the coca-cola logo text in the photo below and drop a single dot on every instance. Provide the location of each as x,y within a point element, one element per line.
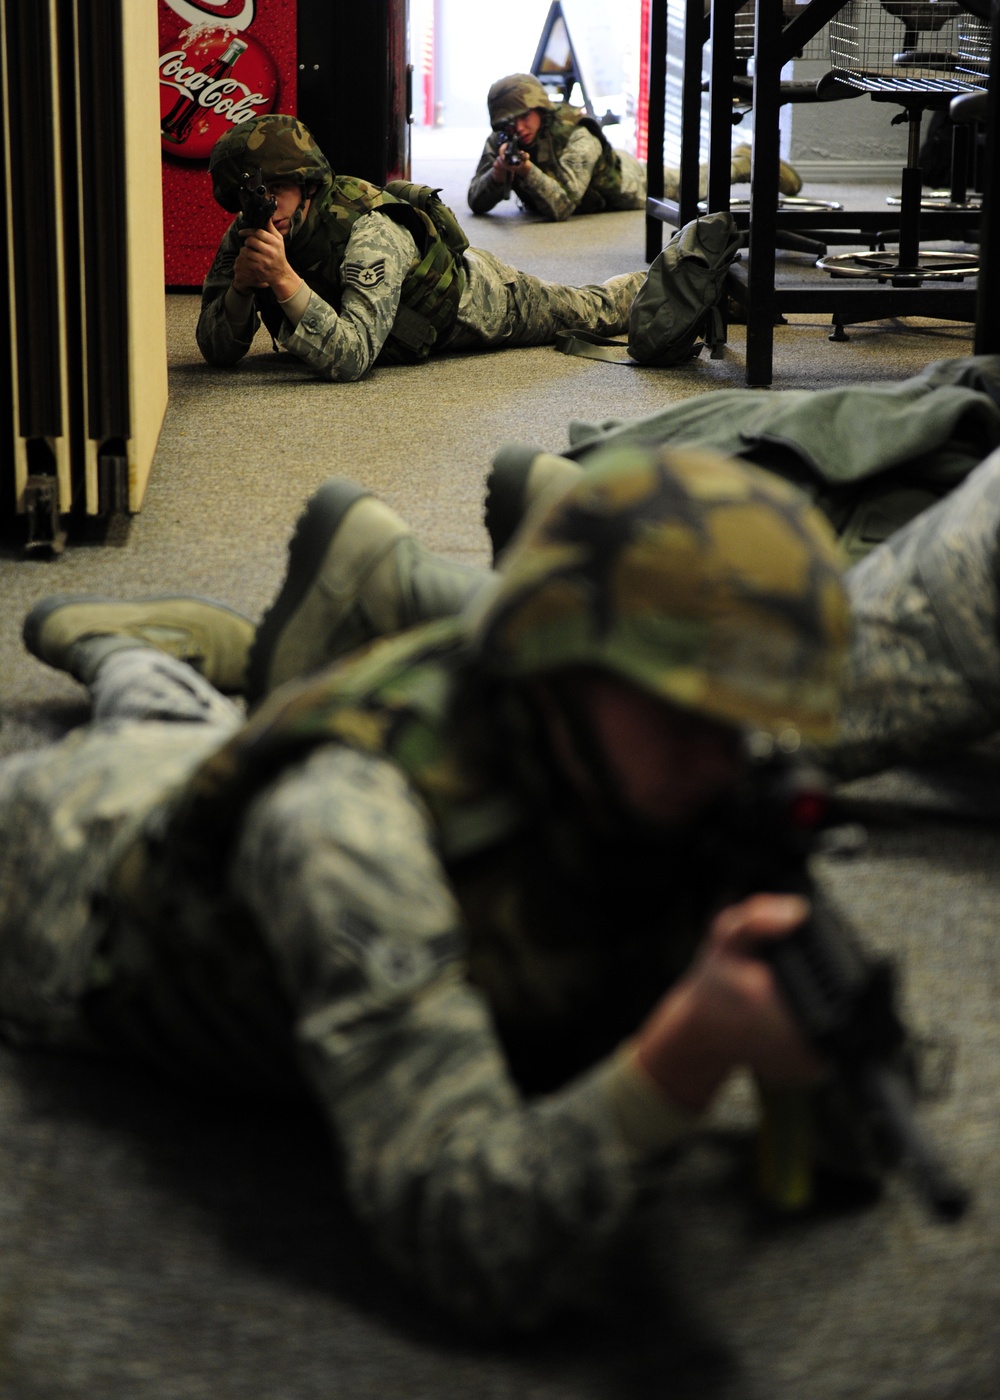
<point>210,81</point>
<point>215,93</point>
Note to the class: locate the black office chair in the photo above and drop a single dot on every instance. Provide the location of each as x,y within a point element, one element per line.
<point>917,54</point>
<point>790,92</point>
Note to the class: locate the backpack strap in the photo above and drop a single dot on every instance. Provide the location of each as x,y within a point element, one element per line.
<point>591,346</point>
<point>577,341</point>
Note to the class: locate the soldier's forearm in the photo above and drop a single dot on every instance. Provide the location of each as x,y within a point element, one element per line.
<point>221,342</point>
<point>293,306</point>
<point>239,308</point>
<point>485,192</point>
<point>500,1212</point>
<point>547,195</point>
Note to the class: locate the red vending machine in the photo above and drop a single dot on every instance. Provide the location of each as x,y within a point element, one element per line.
<point>220,61</point>
<point>340,66</point>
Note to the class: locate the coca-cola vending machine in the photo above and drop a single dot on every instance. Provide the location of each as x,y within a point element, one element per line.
<point>220,62</point>
<point>339,65</point>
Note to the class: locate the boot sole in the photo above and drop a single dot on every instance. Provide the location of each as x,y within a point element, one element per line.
<point>34,622</point>
<point>504,507</point>
<point>307,550</point>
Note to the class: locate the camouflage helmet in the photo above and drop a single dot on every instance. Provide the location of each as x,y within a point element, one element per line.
<point>705,582</point>
<point>279,146</point>
<point>514,95</point>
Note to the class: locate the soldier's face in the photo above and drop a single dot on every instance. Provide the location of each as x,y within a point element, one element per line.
<point>290,197</point>
<point>527,126</point>
<point>668,763</point>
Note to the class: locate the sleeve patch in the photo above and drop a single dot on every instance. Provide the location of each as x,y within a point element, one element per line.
<point>365,274</point>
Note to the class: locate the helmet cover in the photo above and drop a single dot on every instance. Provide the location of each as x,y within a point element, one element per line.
<point>705,582</point>
<point>514,95</point>
<point>279,146</point>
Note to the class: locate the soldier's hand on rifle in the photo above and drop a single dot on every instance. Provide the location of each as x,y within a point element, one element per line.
<point>262,263</point>
<point>245,277</point>
<point>727,1011</point>
<point>502,173</point>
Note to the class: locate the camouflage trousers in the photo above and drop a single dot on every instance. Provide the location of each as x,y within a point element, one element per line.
<point>65,813</point>
<point>502,307</point>
<point>924,670</point>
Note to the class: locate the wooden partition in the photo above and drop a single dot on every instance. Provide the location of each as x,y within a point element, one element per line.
<point>84,374</point>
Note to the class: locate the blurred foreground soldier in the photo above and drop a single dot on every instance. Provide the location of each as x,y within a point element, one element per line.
<point>345,274</point>
<point>557,161</point>
<point>450,882</point>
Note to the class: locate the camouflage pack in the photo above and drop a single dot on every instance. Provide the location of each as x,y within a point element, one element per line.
<point>428,200</point>
<point>676,310</point>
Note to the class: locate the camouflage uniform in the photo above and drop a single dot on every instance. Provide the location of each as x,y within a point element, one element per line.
<point>360,290</point>
<point>870,456</point>
<point>381,887</point>
<point>574,169</point>
<point>924,671</point>
<point>909,476</point>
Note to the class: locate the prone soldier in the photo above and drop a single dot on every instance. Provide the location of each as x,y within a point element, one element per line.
<point>347,274</point>
<point>566,165</point>
<point>453,882</point>
<point>448,884</point>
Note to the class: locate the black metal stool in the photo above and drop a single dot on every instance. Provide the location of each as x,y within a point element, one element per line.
<point>882,48</point>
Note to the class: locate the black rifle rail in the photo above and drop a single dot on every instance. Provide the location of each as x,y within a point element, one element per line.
<point>258,206</point>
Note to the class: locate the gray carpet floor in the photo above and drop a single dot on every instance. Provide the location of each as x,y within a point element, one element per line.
<point>154,1244</point>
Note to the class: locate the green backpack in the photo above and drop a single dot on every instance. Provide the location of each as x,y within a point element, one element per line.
<point>676,309</point>
<point>443,219</point>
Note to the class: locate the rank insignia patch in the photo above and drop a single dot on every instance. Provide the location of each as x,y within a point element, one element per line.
<point>365,274</point>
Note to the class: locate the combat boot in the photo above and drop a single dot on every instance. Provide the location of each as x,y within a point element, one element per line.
<point>519,478</point>
<point>924,667</point>
<point>74,633</point>
<point>789,179</point>
<point>355,572</point>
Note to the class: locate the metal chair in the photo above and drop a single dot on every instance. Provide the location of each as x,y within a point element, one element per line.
<point>917,54</point>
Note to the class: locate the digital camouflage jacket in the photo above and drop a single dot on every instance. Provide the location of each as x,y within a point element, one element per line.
<point>566,178</point>
<point>429,294</point>
<point>413,911</point>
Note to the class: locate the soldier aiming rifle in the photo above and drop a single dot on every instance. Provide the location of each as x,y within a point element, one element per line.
<point>455,883</point>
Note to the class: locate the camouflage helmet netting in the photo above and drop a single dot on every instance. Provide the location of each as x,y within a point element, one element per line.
<point>279,146</point>
<point>705,582</point>
<point>511,96</point>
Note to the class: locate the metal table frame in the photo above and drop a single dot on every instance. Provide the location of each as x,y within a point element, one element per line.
<point>847,301</point>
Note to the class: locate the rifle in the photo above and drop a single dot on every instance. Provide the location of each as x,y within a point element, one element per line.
<point>842,995</point>
<point>257,205</point>
<point>512,155</point>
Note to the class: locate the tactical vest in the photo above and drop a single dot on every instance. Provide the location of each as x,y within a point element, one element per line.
<point>432,288</point>
<point>566,937</point>
<point>606,180</point>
